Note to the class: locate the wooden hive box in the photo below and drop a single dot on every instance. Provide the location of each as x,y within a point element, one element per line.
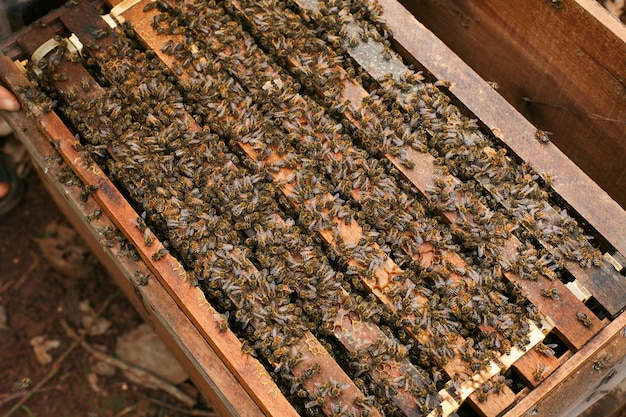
<point>585,320</point>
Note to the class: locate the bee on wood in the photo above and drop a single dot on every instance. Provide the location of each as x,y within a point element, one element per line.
<point>140,222</point>
<point>506,347</point>
<point>40,24</point>
<point>94,215</point>
<point>484,390</point>
<point>222,322</point>
<point>500,382</point>
<point>85,83</point>
<point>542,136</point>
<point>148,237</point>
<point>141,278</point>
<point>553,293</point>
<point>538,374</point>
<point>601,364</point>
<point>582,317</point>
<point>91,45</point>
<point>70,94</point>
<point>100,33</point>
<point>546,350</point>
<point>317,401</point>
<point>557,4</point>
<point>150,6</point>
<point>159,254</point>
<point>493,85</point>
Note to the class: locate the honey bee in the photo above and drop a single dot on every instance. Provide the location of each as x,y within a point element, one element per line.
<point>148,237</point>
<point>493,84</point>
<point>601,364</point>
<point>584,319</point>
<point>318,401</point>
<point>94,214</point>
<point>546,350</point>
<point>23,383</point>
<point>159,254</point>
<point>557,4</point>
<point>538,374</point>
<point>91,45</point>
<point>100,33</point>
<point>39,23</point>
<point>150,6</point>
<point>141,278</point>
<point>484,390</point>
<point>506,347</point>
<point>140,222</point>
<point>553,293</point>
<point>222,322</point>
<point>542,136</point>
<point>85,83</point>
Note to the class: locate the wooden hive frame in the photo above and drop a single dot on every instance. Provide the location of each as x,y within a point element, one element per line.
<point>595,354</point>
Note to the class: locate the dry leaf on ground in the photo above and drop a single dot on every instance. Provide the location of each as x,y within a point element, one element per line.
<point>41,346</point>
<point>95,326</point>
<point>92,379</point>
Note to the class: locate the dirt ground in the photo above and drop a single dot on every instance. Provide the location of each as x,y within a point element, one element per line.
<point>37,301</point>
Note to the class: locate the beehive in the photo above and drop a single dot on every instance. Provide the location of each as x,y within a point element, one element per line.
<point>332,206</point>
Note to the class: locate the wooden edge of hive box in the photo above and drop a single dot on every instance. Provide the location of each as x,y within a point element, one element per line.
<point>596,367</point>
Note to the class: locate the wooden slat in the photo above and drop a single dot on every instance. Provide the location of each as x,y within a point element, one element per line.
<point>494,402</point>
<point>593,204</point>
<point>531,51</point>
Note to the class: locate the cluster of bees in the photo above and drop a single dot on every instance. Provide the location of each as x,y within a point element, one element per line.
<point>249,166</point>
